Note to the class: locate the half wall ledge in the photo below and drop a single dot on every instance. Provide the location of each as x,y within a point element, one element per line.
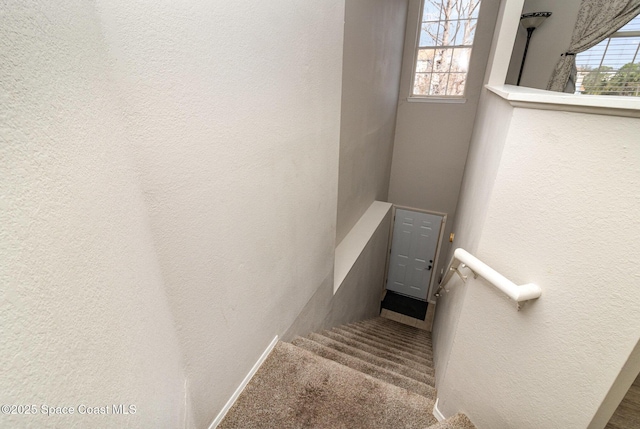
<point>350,248</point>
<point>532,98</point>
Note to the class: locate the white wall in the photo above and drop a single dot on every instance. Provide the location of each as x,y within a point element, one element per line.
<point>564,186</point>
<point>432,138</point>
<point>549,40</point>
<point>492,126</point>
<point>373,42</point>
<point>235,110</point>
<point>172,196</point>
<point>83,312</point>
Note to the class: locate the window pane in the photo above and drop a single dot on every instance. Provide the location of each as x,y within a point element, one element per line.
<point>425,60</point>
<point>439,84</point>
<point>431,11</point>
<point>442,60</point>
<point>610,68</point>
<point>474,8</point>
<point>621,51</point>
<point>461,60</point>
<point>633,25</point>
<point>421,84</point>
<point>441,68</point>
<point>442,29</point>
<point>450,30</point>
<point>467,32</point>
<point>455,10</point>
<point>591,58</point>
<point>456,84</point>
<point>429,34</point>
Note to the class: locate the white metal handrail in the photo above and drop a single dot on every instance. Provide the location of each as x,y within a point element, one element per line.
<point>462,258</point>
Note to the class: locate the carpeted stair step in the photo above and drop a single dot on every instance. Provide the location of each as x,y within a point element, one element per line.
<point>399,368</point>
<point>366,367</point>
<point>392,342</point>
<point>397,328</point>
<point>391,334</point>
<point>295,388</point>
<point>400,327</point>
<point>389,349</point>
<point>415,335</point>
<point>419,350</point>
<point>393,357</point>
<point>459,421</point>
<point>386,341</point>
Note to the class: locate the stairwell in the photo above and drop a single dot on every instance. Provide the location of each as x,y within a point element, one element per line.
<point>377,373</point>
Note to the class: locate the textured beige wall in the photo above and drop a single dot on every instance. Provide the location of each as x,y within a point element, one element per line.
<point>84,316</point>
<point>432,138</point>
<point>564,185</point>
<point>480,172</point>
<point>373,42</point>
<point>235,114</point>
<point>170,197</point>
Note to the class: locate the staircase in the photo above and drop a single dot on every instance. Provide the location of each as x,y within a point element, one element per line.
<point>376,373</point>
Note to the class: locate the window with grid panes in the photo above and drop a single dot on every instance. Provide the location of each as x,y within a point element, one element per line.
<point>612,67</point>
<point>447,30</point>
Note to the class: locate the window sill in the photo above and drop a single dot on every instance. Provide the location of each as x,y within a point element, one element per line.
<point>531,98</point>
<point>437,100</point>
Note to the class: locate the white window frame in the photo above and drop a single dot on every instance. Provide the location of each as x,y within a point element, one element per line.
<point>437,98</point>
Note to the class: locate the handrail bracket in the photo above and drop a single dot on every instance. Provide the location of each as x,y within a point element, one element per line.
<point>475,275</point>
<point>457,271</point>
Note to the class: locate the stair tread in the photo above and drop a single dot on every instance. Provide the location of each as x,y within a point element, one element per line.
<point>387,338</point>
<point>392,332</point>
<point>297,388</point>
<point>398,328</point>
<point>421,376</point>
<point>419,349</point>
<point>366,367</point>
<point>412,330</point>
<point>378,352</point>
<point>408,354</point>
<point>389,331</point>
<point>459,421</point>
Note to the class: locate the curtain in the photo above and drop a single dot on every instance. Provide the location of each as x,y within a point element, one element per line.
<point>597,20</point>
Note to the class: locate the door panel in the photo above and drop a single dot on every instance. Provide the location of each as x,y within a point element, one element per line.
<point>404,244</point>
<point>413,249</point>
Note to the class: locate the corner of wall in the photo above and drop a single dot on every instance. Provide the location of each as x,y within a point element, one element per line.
<point>358,296</point>
<point>618,390</point>
<point>485,151</point>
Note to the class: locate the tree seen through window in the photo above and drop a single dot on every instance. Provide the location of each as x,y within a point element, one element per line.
<point>447,30</point>
<point>612,67</point>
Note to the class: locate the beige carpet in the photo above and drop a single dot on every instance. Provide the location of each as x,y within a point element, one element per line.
<point>372,374</point>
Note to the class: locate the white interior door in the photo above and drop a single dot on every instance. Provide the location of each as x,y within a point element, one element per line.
<point>413,252</point>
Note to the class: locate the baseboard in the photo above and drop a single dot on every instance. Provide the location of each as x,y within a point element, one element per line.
<point>185,405</point>
<point>436,412</point>
<point>244,383</point>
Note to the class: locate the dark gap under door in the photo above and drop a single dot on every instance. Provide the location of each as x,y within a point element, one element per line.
<point>405,305</point>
